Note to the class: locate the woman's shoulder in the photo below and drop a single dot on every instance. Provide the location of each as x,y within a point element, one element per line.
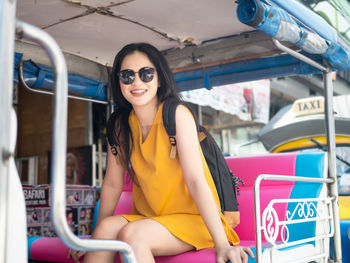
<point>183,116</point>
<point>183,110</point>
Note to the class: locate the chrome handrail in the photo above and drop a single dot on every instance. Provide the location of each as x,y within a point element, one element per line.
<point>59,144</point>
<point>7,39</point>
<point>299,56</point>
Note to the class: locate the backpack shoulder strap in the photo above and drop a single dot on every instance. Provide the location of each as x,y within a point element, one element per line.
<point>168,114</point>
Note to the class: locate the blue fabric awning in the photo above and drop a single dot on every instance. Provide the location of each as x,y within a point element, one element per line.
<point>41,76</point>
<point>281,25</point>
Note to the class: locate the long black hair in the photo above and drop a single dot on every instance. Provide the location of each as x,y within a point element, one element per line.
<point>118,129</point>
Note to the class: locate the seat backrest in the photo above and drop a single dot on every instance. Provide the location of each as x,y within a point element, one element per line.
<point>125,202</point>
<point>248,168</point>
<point>312,164</point>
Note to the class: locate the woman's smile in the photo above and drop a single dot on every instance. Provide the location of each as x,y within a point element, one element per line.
<point>138,92</point>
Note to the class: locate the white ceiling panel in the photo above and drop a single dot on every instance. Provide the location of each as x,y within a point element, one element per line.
<point>99,37</point>
<point>191,19</point>
<point>42,13</point>
<point>98,3</point>
<point>96,30</point>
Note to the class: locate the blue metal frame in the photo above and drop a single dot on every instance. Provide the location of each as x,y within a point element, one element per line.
<point>41,76</point>
<point>261,68</point>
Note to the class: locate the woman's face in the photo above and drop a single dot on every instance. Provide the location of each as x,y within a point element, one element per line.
<point>139,93</point>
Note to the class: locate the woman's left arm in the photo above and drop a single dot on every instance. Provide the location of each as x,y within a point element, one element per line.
<point>192,167</point>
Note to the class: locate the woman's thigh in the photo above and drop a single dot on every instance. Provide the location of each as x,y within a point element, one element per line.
<point>149,234</point>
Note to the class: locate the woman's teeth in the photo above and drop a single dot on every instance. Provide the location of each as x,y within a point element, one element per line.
<point>138,91</point>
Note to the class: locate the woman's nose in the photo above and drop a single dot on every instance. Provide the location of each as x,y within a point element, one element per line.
<point>137,80</point>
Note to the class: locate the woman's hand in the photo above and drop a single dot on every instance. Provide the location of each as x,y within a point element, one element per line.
<point>75,255</point>
<point>233,254</point>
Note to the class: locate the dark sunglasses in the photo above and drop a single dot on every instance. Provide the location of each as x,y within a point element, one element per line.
<point>127,76</point>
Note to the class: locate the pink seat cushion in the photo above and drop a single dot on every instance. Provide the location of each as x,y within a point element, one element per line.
<point>50,249</point>
<point>53,250</point>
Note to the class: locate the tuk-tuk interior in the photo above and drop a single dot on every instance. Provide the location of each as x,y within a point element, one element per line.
<point>207,44</point>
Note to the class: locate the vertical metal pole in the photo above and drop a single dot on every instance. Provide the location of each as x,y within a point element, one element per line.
<point>110,102</point>
<point>89,124</point>
<point>7,42</point>
<point>100,168</point>
<point>94,154</point>
<point>229,139</point>
<point>200,115</point>
<point>257,218</point>
<point>333,187</point>
<point>224,141</point>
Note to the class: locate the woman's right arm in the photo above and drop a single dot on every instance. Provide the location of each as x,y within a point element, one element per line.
<point>112,187</point>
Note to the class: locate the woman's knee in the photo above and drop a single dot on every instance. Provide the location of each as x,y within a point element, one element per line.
<point>131,234</point>
<point>109,227</point>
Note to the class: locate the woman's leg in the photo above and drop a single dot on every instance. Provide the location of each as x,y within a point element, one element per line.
<point>108,228</point>
<point>149,238</point>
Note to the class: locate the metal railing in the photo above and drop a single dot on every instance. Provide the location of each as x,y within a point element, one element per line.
<point>59,143</point>
<point>280,228</point>
<point>330,135</point>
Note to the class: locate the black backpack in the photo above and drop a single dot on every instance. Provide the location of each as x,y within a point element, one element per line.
<point>226,183</point>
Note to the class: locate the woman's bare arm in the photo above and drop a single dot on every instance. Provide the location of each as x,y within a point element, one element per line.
<point>191,164</point>
<point>192,167</point>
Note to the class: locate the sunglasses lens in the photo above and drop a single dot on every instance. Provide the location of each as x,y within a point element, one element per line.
<point>146,74</point>
<point>126,76</point>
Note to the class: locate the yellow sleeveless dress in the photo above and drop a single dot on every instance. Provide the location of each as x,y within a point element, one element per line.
<point>162,194</point>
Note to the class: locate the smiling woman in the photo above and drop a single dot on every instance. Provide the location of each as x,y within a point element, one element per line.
<point>175,199</point>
